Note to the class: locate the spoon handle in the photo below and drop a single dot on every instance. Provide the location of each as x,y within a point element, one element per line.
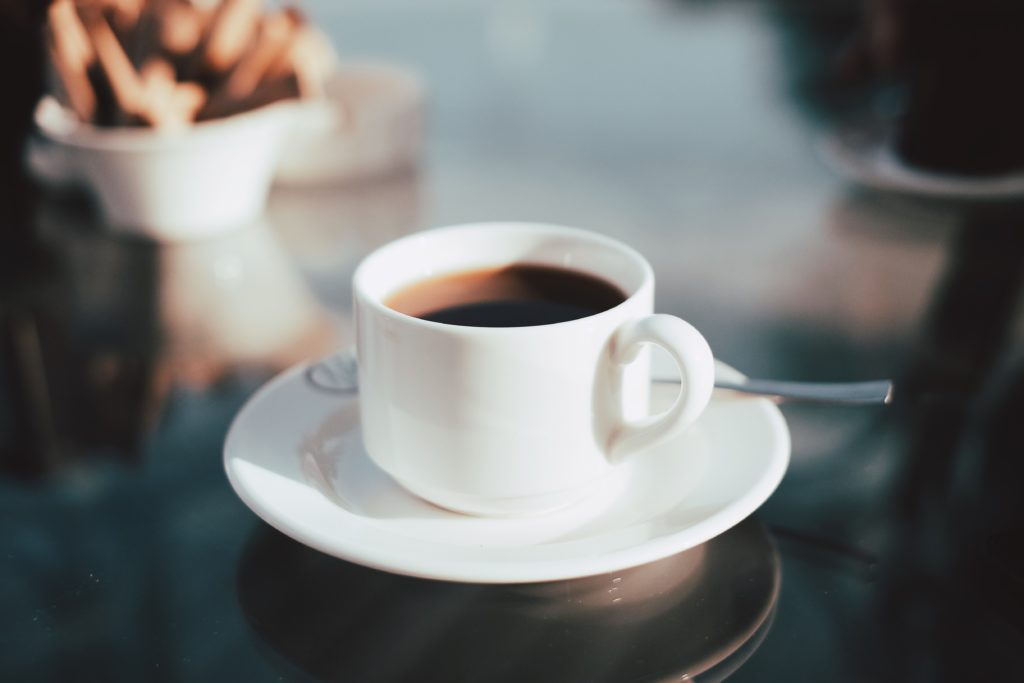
<point>875,392</point>
<point>338,373</point>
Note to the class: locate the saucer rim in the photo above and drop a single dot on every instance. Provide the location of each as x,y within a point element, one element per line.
<point>505,571</point>
<point>875,165</point>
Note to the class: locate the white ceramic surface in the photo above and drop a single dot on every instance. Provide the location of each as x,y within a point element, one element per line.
<point>369,123</point>
<point>295,457</point>
<point>173,185</point>
<point>515,420</point>
<point>863,152</point>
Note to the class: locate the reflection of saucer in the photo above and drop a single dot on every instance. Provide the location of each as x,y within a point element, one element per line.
<point>338,621</point>
<point>863,153</point>
<point>294,456</point>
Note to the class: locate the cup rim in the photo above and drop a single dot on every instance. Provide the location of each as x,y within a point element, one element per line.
<point>378,306</point>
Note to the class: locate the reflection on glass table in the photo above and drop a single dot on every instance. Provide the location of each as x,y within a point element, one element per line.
<point>697,614</point>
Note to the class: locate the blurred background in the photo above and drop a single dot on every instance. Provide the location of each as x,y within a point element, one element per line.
<point>828,190</point>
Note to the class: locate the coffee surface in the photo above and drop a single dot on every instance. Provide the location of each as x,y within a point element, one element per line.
<point>521,295</point>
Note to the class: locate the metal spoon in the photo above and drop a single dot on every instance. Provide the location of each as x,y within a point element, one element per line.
<point>857,393</point>
<point>338,373</point>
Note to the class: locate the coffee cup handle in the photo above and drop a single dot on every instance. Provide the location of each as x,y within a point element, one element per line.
<point>696,364</point>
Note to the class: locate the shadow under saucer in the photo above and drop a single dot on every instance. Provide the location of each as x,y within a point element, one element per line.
<point>698,613</point>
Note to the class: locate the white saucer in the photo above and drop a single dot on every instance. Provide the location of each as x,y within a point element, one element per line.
<point>863,153</point>
<point>294,456</point>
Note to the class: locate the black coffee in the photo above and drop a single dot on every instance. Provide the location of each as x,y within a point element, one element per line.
<point>513,296</point>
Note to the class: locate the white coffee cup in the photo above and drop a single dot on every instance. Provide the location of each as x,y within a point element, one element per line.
<point>515,420</point>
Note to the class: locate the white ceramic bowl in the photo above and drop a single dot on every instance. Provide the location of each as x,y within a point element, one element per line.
<point>174,185</point>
